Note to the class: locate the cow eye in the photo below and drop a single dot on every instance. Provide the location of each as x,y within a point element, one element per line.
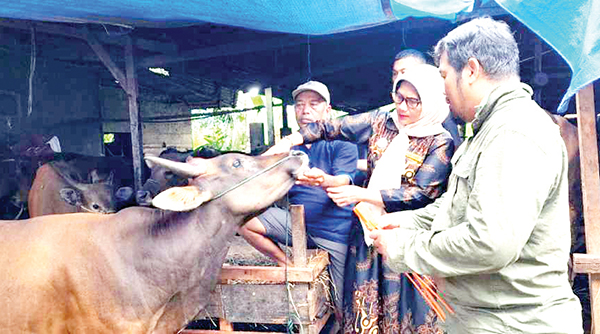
<point>95,206</point>
<point>236,163</point>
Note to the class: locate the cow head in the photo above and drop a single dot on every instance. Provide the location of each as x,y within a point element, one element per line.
<point>244,183</point>
<point>95,196</point>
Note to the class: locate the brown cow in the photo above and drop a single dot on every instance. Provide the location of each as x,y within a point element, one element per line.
<point>141,270</point>
<point>55,191</point>
<point>569,134</point>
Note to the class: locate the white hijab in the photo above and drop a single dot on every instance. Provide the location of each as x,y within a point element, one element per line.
<point>390,168</point>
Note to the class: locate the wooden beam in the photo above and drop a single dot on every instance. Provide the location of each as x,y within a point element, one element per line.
<point>586,263</point>
<point>104,56</point>
<point>298,235</point>
<point>49,28</point>
<point>135,120</point>
<point>590,188</point>
<point>277,275</point>
<point>229,49</point>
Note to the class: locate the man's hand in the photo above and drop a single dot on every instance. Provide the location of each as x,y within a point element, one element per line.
<point>387,221</point>
<point>379,242</point>
<point>311,177</point>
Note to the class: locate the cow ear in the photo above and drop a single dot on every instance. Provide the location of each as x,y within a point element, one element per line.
<point>93,177</point>
<point>181,198</point>
<point>71,196</point>
<point>111,177</point>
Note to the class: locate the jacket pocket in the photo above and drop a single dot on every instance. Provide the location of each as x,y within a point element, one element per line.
<point>462,184</point>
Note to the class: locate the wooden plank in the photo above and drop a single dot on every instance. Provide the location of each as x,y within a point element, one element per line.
<point>135,120</point>
<point>586,263</point>
<point>590,187</point>
<point>277,275</point>
<point>318,303</point>
<point>316,326</point>
<point>265,303</point>
<point>298,234</point>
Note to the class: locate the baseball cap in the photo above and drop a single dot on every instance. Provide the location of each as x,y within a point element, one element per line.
<point>316,87</point>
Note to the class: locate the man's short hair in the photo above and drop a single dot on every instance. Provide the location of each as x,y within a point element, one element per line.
<point>489,41</point>
<point>314,86</point>
<point>411,53</point>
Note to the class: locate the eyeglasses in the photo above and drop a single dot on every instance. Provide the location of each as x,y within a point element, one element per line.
<point>411,102</point>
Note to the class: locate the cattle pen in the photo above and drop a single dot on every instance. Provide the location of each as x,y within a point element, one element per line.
<point>250,293</point>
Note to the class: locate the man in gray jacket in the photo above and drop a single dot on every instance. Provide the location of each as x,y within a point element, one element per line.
<point>497,242</point>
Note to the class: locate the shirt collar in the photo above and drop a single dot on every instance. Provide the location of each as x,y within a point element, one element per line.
<point>496,95</point>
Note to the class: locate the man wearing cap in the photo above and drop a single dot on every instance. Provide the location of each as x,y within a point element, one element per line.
<point>333,163</point>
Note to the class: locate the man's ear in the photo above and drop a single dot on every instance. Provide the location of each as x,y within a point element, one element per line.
<point>327,113</point>
<point>472,70</point>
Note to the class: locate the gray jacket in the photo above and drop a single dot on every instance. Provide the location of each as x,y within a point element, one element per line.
<point>497,242</point>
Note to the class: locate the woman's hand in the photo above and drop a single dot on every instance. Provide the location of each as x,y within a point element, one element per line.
<point>346,195</point>
<point>285,144</point>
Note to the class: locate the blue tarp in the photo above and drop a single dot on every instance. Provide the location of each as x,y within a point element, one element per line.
<point>571,27</point>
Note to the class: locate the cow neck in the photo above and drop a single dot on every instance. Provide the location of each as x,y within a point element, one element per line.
<point>180,249</point>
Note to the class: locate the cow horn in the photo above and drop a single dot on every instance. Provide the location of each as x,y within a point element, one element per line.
<point>180,168</point>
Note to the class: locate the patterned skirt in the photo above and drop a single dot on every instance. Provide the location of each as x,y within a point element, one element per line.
<point>378,300</point>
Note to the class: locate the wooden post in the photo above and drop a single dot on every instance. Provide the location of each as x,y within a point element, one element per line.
<point>270,123</point>
<point>285,128</point>
<point>225,326</point>
<point>590,188</point>
<point>135,120</point>
<point>298,235</point>
<point>129,85</point>
<point>257,138</point>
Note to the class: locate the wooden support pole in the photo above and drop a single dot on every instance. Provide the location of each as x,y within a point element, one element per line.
<point>104,57</point>
<point>590,187</point>
<point>225,326</point>
<point>129,85</point>
<point>270,123</point>
<point>298,235</point>
<point>135,119</point>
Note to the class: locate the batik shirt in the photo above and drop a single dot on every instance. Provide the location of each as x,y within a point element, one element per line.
<point>428,158</point>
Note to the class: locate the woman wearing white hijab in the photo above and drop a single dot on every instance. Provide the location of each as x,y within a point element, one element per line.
<point>408,167</point>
